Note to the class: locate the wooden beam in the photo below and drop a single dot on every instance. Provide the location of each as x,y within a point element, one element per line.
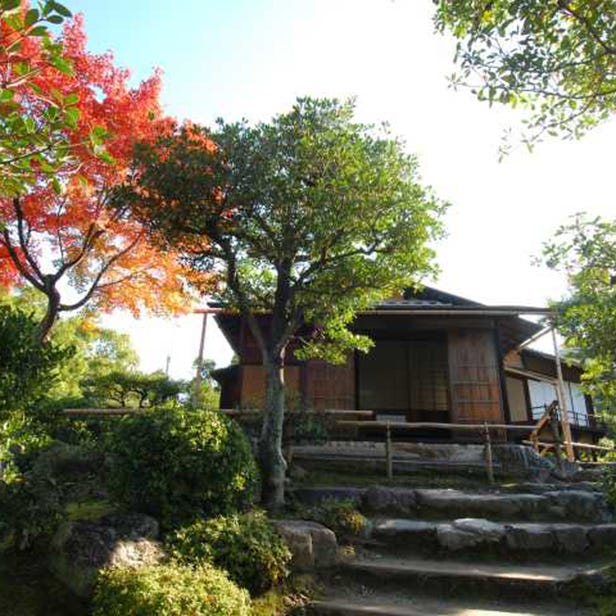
<point>430,424</point>
<point>118,411</point>
<point>562,401</point>
<point>574,444</point>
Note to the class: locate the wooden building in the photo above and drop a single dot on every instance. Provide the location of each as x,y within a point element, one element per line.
<point>436,357</point>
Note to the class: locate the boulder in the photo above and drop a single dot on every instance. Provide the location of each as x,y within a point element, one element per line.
<point>80,549</point>
<point>313,545</point>
<point>403,532</point>
<point>570,538</point>
<point>529,537</point>
<point>469,532</point>
<point>581,504</point>
<point>603,536</point>
<point>380,500</point>
<point>502,506</point>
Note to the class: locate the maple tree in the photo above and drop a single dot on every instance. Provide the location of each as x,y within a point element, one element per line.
<point>32,119</point>
<point>58,230</point>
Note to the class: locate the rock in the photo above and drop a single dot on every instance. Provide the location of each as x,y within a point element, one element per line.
<point>313,545</point>
<point>570,538</point>
<point>529,536</point>
<point>80,549</point>
<point>379,500</point>
<point>469,532</point>
<point>502,506</point>
<point>603,536</point>
<point>581,504</point>
<point>132,525</point>
<point>313,496</point>
<point>486,530</point>
<point>403,531</point>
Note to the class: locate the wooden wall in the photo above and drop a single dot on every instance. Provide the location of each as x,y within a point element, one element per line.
<point>329,386</point>
<point>253,385</point>
<point>474,377</point>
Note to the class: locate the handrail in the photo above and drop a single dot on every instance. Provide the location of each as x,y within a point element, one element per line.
<point>431,424</point>
<point>574,444</point>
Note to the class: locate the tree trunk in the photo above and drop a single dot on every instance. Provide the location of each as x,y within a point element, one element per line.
<point>53,305</point>
<point>272,462</point>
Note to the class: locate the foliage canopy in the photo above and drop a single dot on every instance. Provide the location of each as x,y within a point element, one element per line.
<point>555,59</point>
<point>310,217</point>
<point>586,251</point>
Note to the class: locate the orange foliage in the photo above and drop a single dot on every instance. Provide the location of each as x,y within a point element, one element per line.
<point>68,229</point>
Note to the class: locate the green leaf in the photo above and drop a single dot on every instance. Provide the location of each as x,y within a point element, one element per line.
<point>71,99</point>
<point>63,65</point>
<point>55,185</point>
<point>32,17</point>
<point>55,19</point>
<point>39,31</point>
<point>6,95</point>
<point>72,116</point>
<point>60,8</point>
<point>10,5</point>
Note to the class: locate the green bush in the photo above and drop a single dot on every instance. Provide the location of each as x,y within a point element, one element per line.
<point>169,590</point>
<point>28,367</point>
<point>341,516</point>
<point>178,465</point>
<point>246,545</point>
<point>28,509</point>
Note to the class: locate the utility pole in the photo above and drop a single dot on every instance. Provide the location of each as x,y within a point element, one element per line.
<point>197,389</point>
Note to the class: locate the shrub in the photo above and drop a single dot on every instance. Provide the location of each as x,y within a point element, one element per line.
<point>341,516</point>
<point>169,590</point>
<point>247,546</point>
<point>179,465</point>
<point>27,366</point>
<point>27,508</point>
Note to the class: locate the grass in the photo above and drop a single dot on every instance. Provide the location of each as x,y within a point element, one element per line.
<point>419,479</point>
<point>287,599</point>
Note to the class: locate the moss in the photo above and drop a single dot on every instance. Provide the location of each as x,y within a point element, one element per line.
<point>89,510</point>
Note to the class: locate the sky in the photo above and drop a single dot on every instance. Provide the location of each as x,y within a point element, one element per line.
<point>251,58</point>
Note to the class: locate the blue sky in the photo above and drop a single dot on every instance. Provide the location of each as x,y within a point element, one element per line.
<point>251,59</point>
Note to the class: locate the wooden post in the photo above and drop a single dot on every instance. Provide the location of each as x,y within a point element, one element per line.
<point>488,452</point>
<point>197,388</point>
<point>556,437</point>
<point>388,453</point>
<point>562,401</point>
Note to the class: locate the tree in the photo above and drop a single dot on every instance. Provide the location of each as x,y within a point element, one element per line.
<point>209,390</point>
<point>557,59</point>
<point>586,251</point>
<point>309,217</point>
<point>33,118</point>
<point>61,230</point>
<point>131,388</point>
<point>94,350</point>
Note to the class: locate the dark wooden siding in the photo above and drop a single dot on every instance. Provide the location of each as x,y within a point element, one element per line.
<point>329,386</point>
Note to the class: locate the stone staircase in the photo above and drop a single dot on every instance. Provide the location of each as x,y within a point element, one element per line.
<point>529,550</point>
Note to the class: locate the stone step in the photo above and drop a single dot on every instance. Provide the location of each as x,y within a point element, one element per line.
<point>558,505</point>
<point>464,578</point>
<point>515,539</point>
<point>386,606</point>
